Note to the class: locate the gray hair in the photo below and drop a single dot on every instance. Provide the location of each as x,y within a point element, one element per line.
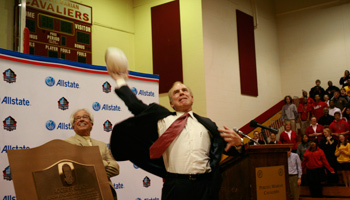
<point>171,89</point>
<point>71,119</point>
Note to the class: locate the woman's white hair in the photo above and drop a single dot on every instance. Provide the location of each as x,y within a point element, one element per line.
<point>86,110</point>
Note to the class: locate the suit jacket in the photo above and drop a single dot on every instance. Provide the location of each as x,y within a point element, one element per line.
<point>319,129</point>
<point>285,139</point>
<point>111,166</point>
<point>132,138</point>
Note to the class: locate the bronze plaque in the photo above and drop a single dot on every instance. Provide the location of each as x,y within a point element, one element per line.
<point>67,180</point>
<point>270,183</point>
<point>59,170</point>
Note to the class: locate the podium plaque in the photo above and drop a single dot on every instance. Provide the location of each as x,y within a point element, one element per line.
<point>68,180</point>
<point>59,170</point>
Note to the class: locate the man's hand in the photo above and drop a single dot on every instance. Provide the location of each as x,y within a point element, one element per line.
<point>299,181</point>
<point>231,137</point>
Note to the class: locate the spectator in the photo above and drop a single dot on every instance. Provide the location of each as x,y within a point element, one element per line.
<point>331,89</point>
<point>343,157</point>
<point>318,107</point>
<point>344,81</point>
<point>346,115</point>
<point>82,121</point>
<point>326,99</point>
<point>339,126</point>
<point>347,89</point>
<point>289,112</point>
<point>326,119</point>
<point>303,146</point>
<point>315,130</point>
<point>313,162</point>
<point>273,139</point>
<point>304,110</point>
<point>256,139</point>
<point>317,90</point>
<point>295,172</point>
<point>328,144</point>
<point>289,137</point>
<point>310,100</point>
<point>344,94</point>
<point>339,102</point>
<point>332,109</point>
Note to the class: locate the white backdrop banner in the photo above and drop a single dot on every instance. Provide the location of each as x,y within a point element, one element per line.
<point>37,96</point>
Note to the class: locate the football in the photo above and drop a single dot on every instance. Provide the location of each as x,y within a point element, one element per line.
<point>116,61</point>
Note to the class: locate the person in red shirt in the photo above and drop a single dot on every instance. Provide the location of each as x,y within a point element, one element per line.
<point>289,137</point>
<point>339,126</point>
<point>318,107</point>
<point>304,110</point>
<point>315,130</point>
<point>313,162</point>
<point>310,101</point>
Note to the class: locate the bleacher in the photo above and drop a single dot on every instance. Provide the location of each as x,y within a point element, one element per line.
<point>329,192</point>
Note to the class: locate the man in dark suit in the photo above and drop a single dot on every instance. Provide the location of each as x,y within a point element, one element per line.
<point>273,139</point>
<point>190,165</point>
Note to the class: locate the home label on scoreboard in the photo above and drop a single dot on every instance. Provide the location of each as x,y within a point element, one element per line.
<point>60,29</point>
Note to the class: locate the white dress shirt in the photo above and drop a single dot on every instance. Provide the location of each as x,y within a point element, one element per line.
<point>189,152</point>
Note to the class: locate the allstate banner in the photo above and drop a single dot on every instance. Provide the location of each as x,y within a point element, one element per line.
<point>37,97</point>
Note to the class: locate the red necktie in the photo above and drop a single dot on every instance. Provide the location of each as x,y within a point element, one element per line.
<point>163,142</point>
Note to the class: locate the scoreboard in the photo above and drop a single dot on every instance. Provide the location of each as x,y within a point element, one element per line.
<point>59,29</point>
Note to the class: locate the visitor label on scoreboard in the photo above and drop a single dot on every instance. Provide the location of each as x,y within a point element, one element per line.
<point>64,8</point>
<point>270,183</point>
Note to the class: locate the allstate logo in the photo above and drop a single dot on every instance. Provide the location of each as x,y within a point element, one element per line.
<point>50,81</point>
<point>146,182</point>
<point>9,76</point>
<point>135,166</point>
<point>106,87</point>
<point>134,90</point>
<point>96,106</point>
<point>10,124</point>
<point>7,173</point>
<point>50,125</point>
<point>107,126</point>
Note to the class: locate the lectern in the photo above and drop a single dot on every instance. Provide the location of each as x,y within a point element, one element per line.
<point>59,170</point>
<point>261,173</point>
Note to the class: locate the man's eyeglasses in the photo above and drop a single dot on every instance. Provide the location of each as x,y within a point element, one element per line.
<point>84,117</point>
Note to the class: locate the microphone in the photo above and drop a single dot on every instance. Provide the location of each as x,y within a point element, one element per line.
<point>244,135</point>
<point>254,124</point>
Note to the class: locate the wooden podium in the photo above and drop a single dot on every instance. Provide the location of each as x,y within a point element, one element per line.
<point>261,173</point>
<point>58,170</point>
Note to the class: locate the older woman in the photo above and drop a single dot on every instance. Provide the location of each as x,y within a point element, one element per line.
<point>315,130</point>
<point>289,137</point>
<point>343,157</point>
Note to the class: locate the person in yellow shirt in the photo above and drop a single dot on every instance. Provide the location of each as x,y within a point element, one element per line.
<point>343,157</point>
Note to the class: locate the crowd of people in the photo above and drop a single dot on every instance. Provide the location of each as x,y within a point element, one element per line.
<point>321,147</point>
<point>324,127</point>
